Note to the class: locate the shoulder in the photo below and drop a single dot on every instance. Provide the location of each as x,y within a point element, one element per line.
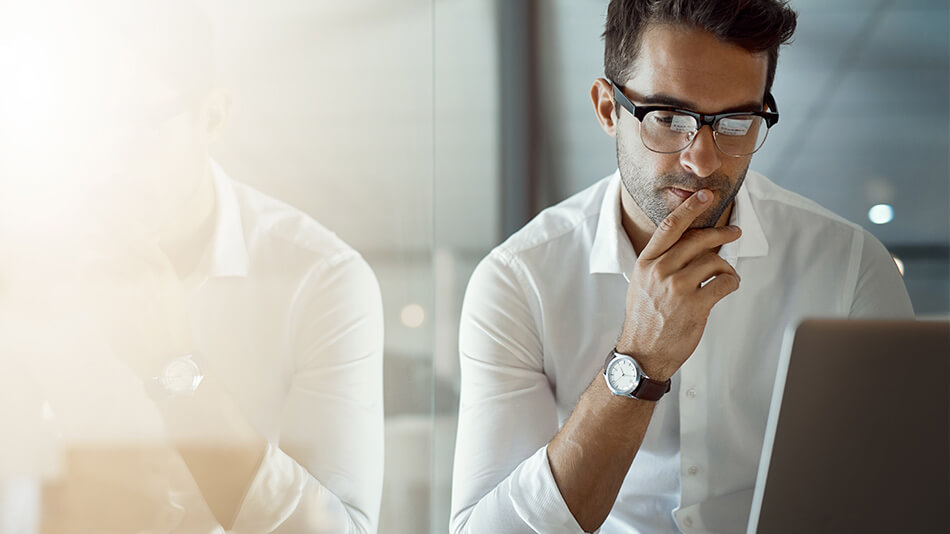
<point>799,223</point>
<point>566,226</point>
<point>282,234</point>
<point>779,205</point>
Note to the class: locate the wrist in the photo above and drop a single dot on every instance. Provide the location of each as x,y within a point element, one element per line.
<point>657,372</point>
<point>654,367</point>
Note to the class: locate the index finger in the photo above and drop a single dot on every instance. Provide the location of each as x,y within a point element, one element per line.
<point>671,229</point>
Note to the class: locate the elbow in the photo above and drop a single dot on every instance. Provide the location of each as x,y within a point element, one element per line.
<point>458,523</point>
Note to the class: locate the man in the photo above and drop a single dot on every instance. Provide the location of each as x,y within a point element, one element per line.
<point>210,357</point>
<point>683,269</point>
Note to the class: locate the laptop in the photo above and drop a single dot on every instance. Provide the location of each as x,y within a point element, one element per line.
<point>858,435</point>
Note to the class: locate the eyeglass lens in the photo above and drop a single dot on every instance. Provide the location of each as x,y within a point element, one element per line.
<point>670,131</point>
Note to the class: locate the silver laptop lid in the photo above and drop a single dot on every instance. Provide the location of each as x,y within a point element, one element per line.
<point>858,435</point>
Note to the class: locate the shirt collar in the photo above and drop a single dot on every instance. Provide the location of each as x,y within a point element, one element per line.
<point>612,252</point>
<point>228,255</point>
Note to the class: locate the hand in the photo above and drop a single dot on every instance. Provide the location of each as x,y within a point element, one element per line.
<point>667,305</point>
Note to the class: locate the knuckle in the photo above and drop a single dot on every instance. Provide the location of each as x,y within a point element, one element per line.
<point>661,267</point>
<point>669,223</point>
<point>729,283</point>
<point>679,284</point>
<point>711,258</point>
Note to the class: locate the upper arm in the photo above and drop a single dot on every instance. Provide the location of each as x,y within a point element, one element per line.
<point>879,290</point>
<point>332,421</point>
<point>507,409</point>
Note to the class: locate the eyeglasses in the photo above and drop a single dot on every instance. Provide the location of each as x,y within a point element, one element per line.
<point>668,130</point>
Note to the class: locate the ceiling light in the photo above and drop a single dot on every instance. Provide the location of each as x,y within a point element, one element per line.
<point>881,214</point>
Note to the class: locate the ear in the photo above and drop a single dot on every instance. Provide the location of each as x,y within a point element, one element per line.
<point>602,95</point>
<point>217,112</point>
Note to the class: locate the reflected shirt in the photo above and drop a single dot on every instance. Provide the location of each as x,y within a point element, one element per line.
<point>543,309</point>
<point>288,319</point>
<point>292,317</point>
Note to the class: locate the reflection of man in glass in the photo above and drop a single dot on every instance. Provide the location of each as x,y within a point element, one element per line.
<point>616,373</point>
<point>172,306</point>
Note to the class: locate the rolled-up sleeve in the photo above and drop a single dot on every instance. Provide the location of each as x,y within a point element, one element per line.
<point>502,481</point>
<point>326,473</point>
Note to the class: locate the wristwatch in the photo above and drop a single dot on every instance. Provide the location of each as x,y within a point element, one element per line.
<point>626,378</point>
<point>178,377</point>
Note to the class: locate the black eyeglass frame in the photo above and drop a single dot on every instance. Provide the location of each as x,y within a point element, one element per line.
<point>640,112</point>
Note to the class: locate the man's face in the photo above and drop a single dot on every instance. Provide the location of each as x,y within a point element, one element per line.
<point>690,69</point>
<point>151,153</point>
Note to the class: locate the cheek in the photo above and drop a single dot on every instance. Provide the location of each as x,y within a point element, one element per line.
<point>170,162</point>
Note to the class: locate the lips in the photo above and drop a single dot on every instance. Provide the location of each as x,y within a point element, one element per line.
<point>681,193</point>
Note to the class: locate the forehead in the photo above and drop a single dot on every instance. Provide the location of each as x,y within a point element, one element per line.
<point>694,66</point>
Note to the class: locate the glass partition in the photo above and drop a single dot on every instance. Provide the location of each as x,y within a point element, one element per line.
<point>221,312</point>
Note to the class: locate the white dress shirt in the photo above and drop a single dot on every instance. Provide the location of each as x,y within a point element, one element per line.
<point>294,317</point>
<point>288,319</point>
<point>544,308</point>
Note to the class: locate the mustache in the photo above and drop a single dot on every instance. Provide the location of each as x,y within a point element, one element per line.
<point>691,182</point>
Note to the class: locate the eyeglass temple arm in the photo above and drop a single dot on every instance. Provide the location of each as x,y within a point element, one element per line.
<point>773,107</point>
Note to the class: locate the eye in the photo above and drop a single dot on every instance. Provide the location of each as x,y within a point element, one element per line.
<point>735,126</point>
<point>676,122</point>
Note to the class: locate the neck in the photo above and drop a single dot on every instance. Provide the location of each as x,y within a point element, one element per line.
<point>639,228</point>
<point>187,235</point>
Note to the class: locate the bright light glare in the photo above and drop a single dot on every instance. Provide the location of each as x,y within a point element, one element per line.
<point>899,263</point>
<point>881,214</point>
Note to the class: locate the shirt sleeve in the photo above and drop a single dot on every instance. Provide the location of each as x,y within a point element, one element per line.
<point>325,475</point>
<point>502,481</point>
<point>879,290</point>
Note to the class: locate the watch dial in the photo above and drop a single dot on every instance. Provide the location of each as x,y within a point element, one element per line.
<point>623,375</point>
<point>179,376</point>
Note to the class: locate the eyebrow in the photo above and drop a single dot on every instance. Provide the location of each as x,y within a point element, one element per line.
<point>660,99</point>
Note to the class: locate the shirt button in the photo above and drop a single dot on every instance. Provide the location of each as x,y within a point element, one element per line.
<point>692,470</point>
<point>691,393</point>
<point>688,521</point>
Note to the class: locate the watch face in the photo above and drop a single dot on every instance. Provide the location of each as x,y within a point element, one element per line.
<point>622,375</point>
<point>181,375</point>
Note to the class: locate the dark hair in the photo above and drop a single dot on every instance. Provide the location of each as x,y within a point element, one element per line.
<point>755,25</point>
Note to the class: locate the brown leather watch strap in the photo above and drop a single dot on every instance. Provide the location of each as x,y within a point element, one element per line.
<point>648,389</point>
<point>651,390</point>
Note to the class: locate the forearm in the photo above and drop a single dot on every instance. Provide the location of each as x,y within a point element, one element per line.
<point>591,454</point>
<point>217,443</point>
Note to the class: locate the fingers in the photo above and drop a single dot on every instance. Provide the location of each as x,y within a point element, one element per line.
<point>703,268</point>
<point>675,224</point>
<point>694,243</point>
<point>720,286</point>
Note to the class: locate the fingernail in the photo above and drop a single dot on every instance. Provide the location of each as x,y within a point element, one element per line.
<point>736,229</point>
<point>702,195</point>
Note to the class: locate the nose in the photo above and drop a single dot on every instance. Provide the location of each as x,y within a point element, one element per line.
<point>701,157</point>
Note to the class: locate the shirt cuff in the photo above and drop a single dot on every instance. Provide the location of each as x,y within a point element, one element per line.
<point>273,495</point>
<point>536,498</point>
